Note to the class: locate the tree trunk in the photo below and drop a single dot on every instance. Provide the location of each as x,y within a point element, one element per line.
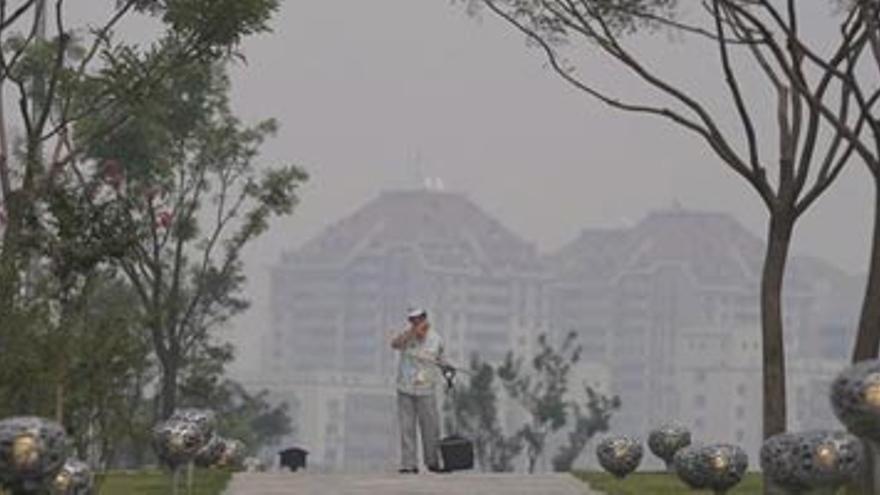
<point>868,336</point>
<point>774,397</point>
<point>59,401</point>
<point>169,387</point>
<point>778,241</point>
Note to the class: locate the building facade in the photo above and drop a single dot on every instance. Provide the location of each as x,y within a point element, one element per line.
<point>667,311</point>
<point>671,306</point>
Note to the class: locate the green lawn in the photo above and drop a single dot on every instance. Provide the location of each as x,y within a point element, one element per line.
<point>206,482</point>
<point>658,484</point>
<point>661,484</point>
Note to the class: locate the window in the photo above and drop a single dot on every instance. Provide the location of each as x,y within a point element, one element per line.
<point>333,409</point>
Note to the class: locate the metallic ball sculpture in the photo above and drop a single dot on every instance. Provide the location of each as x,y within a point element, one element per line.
<point>827,459</point>
<point>855,398</point>
<point>75,478</point>
<point>687,467</point>
<point>205,419</point>
<point>233,454</point>
<point>619,455</point>
<point>32,452</point>
<point>724,466</point>
<point>211,453</point>
<point>668,439</point>
<point>780,464</point>
<point>177,442</point>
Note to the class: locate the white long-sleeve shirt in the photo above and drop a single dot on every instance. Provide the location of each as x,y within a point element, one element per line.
<point>417,376</point>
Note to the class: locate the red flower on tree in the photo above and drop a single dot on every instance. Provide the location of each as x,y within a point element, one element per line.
<point>165,219</point>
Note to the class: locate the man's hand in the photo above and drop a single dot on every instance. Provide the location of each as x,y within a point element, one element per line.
<point>403,339</point>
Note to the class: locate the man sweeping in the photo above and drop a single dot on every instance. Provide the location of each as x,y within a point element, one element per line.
<point>421,351</point>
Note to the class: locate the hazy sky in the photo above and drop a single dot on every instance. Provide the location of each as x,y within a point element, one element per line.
<point>363,89</point>
<point>374,95</point>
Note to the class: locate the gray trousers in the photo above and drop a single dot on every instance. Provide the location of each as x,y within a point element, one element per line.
<point>421,409</point>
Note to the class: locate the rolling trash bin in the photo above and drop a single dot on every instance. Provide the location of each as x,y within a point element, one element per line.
<point>457,451</point>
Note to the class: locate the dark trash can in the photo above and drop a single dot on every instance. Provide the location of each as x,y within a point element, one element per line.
<point>457,453</point>
<point>293,458</point>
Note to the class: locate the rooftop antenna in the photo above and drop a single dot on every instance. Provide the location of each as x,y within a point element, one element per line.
<point>418,169</point>
<point>424,181</point>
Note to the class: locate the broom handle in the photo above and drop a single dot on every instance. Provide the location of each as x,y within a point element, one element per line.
<point>439,363</point>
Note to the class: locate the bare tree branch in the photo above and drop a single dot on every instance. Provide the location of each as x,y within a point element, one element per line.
<point>733,85</point>
<point>20,11</point>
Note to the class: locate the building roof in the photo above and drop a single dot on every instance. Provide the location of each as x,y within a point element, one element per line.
<point>447,230</point>
<point>715,248</point>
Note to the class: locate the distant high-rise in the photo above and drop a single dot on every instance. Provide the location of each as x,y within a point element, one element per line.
<point>671,306</point>
<point>336,301</point>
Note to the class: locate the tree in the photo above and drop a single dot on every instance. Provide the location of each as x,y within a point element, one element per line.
<point>77,354</point>
<point>541,391</point>
<point>71,327</point>
<point>60,75</point>
<point>475,408</point>
<point>108,364</point>
<point>589,420</point>
<point>88,369</point>
<point>756,39</point>
<point>862,135</point>
<point>184,170</point>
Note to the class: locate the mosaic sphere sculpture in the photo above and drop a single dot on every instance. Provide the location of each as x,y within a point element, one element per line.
<point>687,467</point>
<point>724,465</point>
<point>205,419</point>
<point>75,478</point>
<point>619,455</point>
<point>668,439</point>
<point>32,452</point>
<point>211,453</point>
<point>780,464</point>
<point>177,442</point>
<point>855,398</point>
<point>826,458</point>
<point>233,454</point>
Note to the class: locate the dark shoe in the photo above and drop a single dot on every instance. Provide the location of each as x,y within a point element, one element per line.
<point>437,469</point>
<point>408,471</point>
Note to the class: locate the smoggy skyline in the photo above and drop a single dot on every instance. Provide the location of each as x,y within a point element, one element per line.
<point>375,96</point>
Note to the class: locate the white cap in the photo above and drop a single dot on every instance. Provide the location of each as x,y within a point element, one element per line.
<point>416,313</point>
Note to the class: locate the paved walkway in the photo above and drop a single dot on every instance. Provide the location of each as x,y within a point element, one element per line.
<point>393,484</point>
